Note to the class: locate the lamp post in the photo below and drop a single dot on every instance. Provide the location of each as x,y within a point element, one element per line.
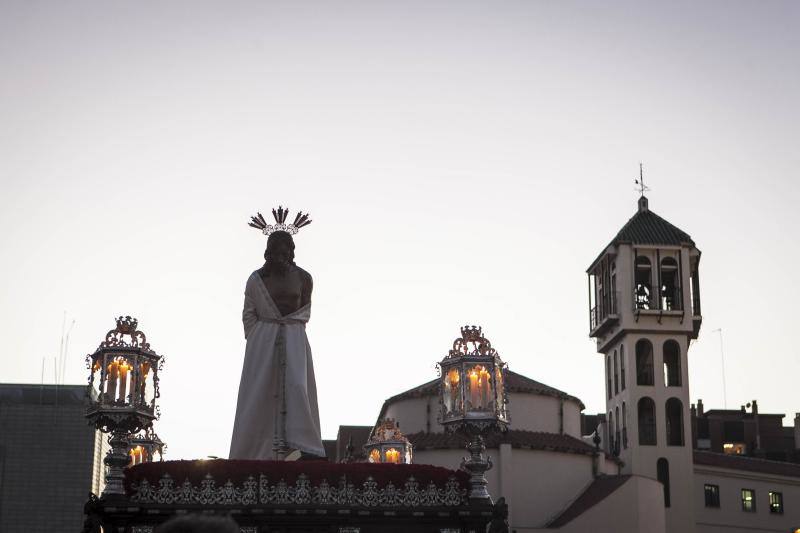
<point>388,445</point>
<point>122,391</point>
<point>473,400</point>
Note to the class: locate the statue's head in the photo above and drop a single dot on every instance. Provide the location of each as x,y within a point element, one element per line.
<point>279,254</point>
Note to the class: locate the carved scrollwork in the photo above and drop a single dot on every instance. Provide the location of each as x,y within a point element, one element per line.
<point>252,492</point>
<point>126,327</point>
<point>472,342</point>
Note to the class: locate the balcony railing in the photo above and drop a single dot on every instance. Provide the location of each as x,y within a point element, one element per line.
<point>606,308</point>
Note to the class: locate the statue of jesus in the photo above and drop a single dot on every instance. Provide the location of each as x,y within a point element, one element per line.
<point>277,410</point>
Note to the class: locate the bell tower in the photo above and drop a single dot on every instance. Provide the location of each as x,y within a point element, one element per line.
<point>644,309</point>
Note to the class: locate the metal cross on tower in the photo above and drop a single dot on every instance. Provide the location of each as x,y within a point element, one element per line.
<point>640,182</point>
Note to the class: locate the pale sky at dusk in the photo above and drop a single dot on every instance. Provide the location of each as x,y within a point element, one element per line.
<point>464,162</point>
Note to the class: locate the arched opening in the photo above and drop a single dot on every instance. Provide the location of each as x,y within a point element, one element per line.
<point>644,362</point>
<point>616,373</point>
<point>622,366</point>
<point>646,415</point>
<point>617,423</point>
<point>611,444</point>
<point>672,364</point>
<point>670,285</point>
<point>674,412</point>
<point>608,375</point>
<point>643,283</point>
<point>624,426</point>
<point>662,474</point>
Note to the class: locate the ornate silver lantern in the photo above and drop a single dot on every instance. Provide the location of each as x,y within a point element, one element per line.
<point>144,447</point>
<point>473,400</point>
<point>388,445</point>
<point>123,387</point>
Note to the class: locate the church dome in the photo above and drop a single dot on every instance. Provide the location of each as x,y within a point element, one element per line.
<point>534,407</point>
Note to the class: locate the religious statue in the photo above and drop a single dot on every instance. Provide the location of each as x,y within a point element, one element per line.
<point>277,413</point>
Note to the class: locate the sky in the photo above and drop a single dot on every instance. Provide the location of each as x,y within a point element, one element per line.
<point>464,162</point>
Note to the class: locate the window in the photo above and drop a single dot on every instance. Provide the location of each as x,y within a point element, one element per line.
<point>644,362</point>
<point>662,473</point>
<point>616,373</point>
<point>612,445</point>
<point>748,500</point>
<point>624,427</point>
<point>776,502</point>
<point>712,495</point>
<point>617,424</point>
<point>672,364</point>
<point>608,375</point>
<point>642,283</point>
<point>734,448</point>
<point>622,366</point>
<point>670,285</point>
<point>674,412</point>
<point>647,421</point>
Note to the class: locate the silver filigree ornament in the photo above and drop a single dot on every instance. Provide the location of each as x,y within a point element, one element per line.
<point>302,492</point>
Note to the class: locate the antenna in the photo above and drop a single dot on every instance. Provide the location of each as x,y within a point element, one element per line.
<point>722,356</point>
<point>65,353</point>
<point>641,187</point>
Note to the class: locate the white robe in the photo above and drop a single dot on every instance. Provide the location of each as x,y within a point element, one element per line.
<point>257,425</point>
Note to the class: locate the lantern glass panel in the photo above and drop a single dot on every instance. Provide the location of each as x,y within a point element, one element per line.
<point>97,375</point>
<point>392,456</point>
<point>138,455</point>
<point>499,385</point>
<point>375,456</point>
<point>146,388</point>
<point>480,396</point>
<point>119,381</point>
<point>452,392</point>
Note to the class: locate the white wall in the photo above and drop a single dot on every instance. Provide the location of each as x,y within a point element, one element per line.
<point>538,412</point>
<point>729,517</point>
<point>635,507</point>
<point>537,484</point>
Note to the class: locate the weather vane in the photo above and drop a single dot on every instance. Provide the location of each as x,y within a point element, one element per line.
<point>641,187</point>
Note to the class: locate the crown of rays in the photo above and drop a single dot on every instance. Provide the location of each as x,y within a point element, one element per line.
<point>280,215</point>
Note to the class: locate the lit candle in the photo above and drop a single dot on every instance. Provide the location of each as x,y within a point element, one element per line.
<point>473,388</point>
<point>392,456</point>
<point>453,378</point>
<point>123,379</point>
<point>485,387</point>
<point>111,380</point>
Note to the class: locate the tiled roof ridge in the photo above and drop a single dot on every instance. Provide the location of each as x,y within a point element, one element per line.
<point>746,462</point>
<point>518,438</point>
<point>653,229</point>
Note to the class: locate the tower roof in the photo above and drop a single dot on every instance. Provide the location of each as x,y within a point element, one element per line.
<point>646,227</point>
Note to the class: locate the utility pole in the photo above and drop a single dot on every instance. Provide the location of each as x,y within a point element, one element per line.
<point>722,356</point>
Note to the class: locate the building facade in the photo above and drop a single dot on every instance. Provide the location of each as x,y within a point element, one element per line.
<point>50,458</point>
